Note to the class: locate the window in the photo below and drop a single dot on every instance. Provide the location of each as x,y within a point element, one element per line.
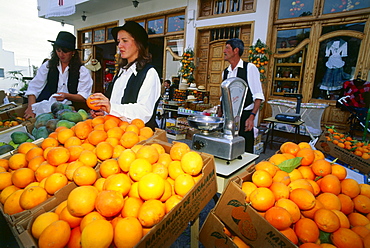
<point>156,26</point>
<point>298,8</point>
<point>334,6</point>
<point>86,37</point>
<point>176,23</point>
<point>225,33</point>
<point>2,74</point>
<point>220,7</point>
<point>99,35</point>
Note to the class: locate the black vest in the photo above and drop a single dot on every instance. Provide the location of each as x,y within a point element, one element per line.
<point>242,73</point>
<point>131,92</point>
<point>51,86</point>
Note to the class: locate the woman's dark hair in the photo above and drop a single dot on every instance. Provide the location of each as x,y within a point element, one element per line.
<point>74,64</point>
<point>144,57</point>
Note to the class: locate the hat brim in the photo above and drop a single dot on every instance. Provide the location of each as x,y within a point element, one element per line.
<point>64,45</point>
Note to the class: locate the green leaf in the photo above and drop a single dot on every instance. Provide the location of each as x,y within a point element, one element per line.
<point>290,164</point>
<point>324,237</point>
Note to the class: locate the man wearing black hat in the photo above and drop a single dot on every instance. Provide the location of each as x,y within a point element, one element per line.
<point>62,74</point>
<point>135,91</point>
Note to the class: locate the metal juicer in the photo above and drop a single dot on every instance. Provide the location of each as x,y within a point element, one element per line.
<point>219,136</point>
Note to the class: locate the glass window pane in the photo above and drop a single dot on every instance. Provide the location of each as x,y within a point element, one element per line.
<point>86,37</point>
<point>110,36</point>
<point>360,27</point>
<point>156,26</point>
<point>176,23</point>
<point>336,64</point>
<point>234,5</point>
<point>292,37</point>
<point>290,9</point>
<point>333,6</point>
<point>2,72</point>
<point>99,35</point>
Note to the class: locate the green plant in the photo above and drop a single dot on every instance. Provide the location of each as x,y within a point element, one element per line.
<point>257,56</point>
<point>18,76</point>
<point>187,65</point>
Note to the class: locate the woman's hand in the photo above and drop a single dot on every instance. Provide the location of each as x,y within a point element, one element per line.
<point>61,96</point>
<point>101,101</point>
<point>29,113</point>
<point>95,113</point>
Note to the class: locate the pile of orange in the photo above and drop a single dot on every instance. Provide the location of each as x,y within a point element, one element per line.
<point>359,148</point>
<point>116,203</point>
<point>37,172</point>
<point>314,204</point>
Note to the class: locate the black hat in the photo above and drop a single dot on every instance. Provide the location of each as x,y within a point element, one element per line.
<point>135,29</point>
<point>65,40</point>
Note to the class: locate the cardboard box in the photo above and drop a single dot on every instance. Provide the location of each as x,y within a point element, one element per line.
<point>258,232</point>
<point>212,233</point>
<point>363,165</point>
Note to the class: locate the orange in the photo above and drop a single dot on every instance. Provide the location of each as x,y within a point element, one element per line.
<point>98,233</point>
<point>97,120</point>
<point>7,191</point>
<point>104,150</point>
<point>131,207</point>
<point>97,136</point>
<point>60,207</point>
<point>330,201</point>
<point>81,200</point>
<point>290,234</point>
<point>88,158</point>
<point>304,145</point>
<point>74,152</point>
<point>139,167</point>
<point>41,222</point>
<point>365,189</point>
<point>357,219</point>
<point>281,176</point>
<point>339,171</point>
<point>279,217</point>
<point>362,231</point>
<point>99,127</point>
<point>57,234</point>
<point>75,238</point>
<point>321,167</point>
<point>291,207</point>
<point>109,203</point>
<point>71,168</point>
<point>151,213</point>
<point>295,174</point>
<point>262,178</point>
<point>159,148</point>
<point>32,196</point>
<point>136,147</point>
<point>161,170</point>
<point>366,240</point>
<point>18,160</point>
<point>118,182</point>
<point>63,135</point>
<point>280,190</point>
<point>318,155</point>
<point>178,150</point>
<point>35,162</point>
<point>306,230</point>
<point>11,204</point>
<point>247,188</point>
<point>327,220</point>
<point>149,153</point>
<point>128,232</point>
<point>58,155</point>
<point>307,156</point>
<point>315,186</point>
<point>43,171</point>
<point>82,130</point>
<point>331,184</point>
<point>129,139</point>
<point>92,216</point>
<point>168,191</point>
<point>151,186</point>
<point>4,163</point>
<point>175,169</point>
<point>115,132</point>
<point>172,202</point>
<point>343,220</point>
<point>73,221</point>
<point>117,149</point>
<point>146,132</point>
<point>25,147</point>
<point>290,147</point>
<point>132,128</point>
<point>311,212</point>
<point>192,163</point>
<point>5,180</point>
<point>99,183</point>
<point>345,237</point>
<point>183,184</point>
<point>125,159</point>
<point>347,205</point>
<point>109,124</point>
<point>134,191</point>
<point>22,177</point>
<point>304,199</point>
<point>72,141</point>
<point>362,204</point>
<point>91,104</point>
<point>239,242</point>
<point>310,245</point>
<point>306,172</point>
<point>267,166</point>
<point>55,182</point>
<point>33,152</point>
<point>262,199</point>
<point>109,167</point>
<point>84,175</point>
<point>58,129</point>
<point>123,125</point>
<point>350,187</point>
<point>277,159</point>
<point>112,117</point>
<point>138,122</point>
<point>164,158</point>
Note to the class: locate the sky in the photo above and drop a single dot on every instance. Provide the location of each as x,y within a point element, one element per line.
<point>25,34</point>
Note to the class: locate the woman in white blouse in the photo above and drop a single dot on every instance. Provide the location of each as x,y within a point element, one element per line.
<point>135,90</point>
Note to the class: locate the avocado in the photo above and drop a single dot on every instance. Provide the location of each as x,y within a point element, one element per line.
<point>42,132</point>
<point>56,106</point>
<point>71,116</point>
<point>51,125</point>
<point>66,106</point>
<point>6,148</point>
<point>65,123</point>
<point>83,114</point>
<point>60,112</point>
<point>42,119</point>
<point>19,137</point>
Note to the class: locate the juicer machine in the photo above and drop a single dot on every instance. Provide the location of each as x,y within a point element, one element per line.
<point>219,136</point>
